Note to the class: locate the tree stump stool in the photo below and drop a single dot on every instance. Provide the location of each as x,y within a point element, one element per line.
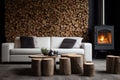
<point>36,66</point>
<point>65,66</point>
<point>89,69</point>
<point>48,66</point>
<point>68,54</point>
<point>113,64</point>
<point>71,54</point>
<point>76,64</point>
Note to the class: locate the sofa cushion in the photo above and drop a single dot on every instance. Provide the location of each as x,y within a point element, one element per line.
<point>72,50</point>
<point>25,51</point>
<point>39,42</point>
<point>56,41</point>
<point>67,43</point>
<point>18,43</point>
<point>43,42</point>
<point>27,42</point>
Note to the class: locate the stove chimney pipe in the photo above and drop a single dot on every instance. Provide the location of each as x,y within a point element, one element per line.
<point>103,12</point>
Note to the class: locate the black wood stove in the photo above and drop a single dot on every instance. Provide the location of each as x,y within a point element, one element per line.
<point>104,37</point>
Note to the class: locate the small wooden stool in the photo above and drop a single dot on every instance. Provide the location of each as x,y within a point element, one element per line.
<point>113,64</point>
<point>36,66</point>
<point>48,66</point>
<point>89,69</point>
<point>65,66</point>
<point>76,64</point>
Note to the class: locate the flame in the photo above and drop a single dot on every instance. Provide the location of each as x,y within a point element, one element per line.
<point>103,39</point>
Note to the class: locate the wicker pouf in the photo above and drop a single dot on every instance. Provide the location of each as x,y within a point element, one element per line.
<point>65,66</point>
<point>36,66</point>
<point>89,69</point>
<point>48,67</point>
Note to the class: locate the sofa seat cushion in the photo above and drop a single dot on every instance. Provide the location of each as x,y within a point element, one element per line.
<point>72,50</point>
<point>20,58</point>
<point>25,51</point>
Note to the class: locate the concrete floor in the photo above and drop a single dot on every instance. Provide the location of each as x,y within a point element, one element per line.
<point>22,71</point>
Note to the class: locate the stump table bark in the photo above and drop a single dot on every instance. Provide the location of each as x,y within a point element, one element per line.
<point>113,64</point>
<point>36,66</point>
<point>89,69</point>
<point>48,66</point>
<point>65,66</point>
<point>76,64</point>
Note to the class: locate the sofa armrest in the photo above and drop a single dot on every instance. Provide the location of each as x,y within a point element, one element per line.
<point>6,51</point>
<point>87,51</point>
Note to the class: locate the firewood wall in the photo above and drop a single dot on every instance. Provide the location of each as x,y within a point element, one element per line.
<point>46,18</point>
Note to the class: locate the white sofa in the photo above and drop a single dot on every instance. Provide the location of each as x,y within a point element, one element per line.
<point>12,53</point>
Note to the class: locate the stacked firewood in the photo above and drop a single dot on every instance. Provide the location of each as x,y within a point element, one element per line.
<point>46,18</point>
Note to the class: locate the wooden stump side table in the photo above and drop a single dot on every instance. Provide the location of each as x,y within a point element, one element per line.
<point>36,66</point>
<point>113,64</point>
<point>89,69</point>
<point>42,65</point>
<point>76,62</point>
<point>65,66</point>
<point>48,67</point>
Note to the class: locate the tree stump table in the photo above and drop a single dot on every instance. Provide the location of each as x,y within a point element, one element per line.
<point>41,63</point>
<point>113,64</point>
<point>89,69</point>
<point>65,66</point>
<point>36,66</point>
<point>48,67</point>
<point>76,63</point>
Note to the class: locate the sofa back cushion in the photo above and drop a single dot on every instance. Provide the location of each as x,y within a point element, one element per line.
<point>43,42</point>
<point>18,42</point>
<point>39,42</point>
<point>57,41</point>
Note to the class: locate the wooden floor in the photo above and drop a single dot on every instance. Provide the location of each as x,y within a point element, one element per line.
<point>21,71</point>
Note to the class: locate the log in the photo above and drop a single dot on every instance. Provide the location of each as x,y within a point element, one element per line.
<point>76,64</point>
<point>65,66</point>
<point>117,65</point>
<point>68,54</point>
<point>36,66</point>
<point>71,17</point>
<point>72,54</point>
<point>48,66</point>
<point>109,64</point>
<point>89,69</point>
<point>113,64</point>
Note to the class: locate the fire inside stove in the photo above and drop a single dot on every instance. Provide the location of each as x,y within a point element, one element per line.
<point>104,37</point>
